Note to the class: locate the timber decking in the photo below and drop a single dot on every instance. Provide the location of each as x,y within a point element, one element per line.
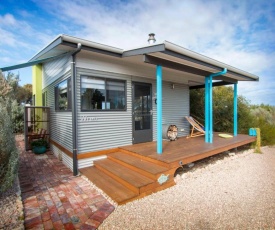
<point>132,172</point>
<point>188,150</point>
<point>125,177</point>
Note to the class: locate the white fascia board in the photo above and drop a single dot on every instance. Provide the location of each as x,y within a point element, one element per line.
<point>96,45</point>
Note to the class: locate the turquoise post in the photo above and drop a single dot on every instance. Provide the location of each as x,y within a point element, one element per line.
<point>210,109</point>
<point>235,110</point>
<point>209,105</point>
<point>206,110</point>
<point>159,109</point>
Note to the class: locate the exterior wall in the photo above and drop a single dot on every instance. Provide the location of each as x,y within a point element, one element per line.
<point>175,105</point>
<point>53,70</point>
<point>98,130</point>
<point>104,129</point>
<point>61,122</point>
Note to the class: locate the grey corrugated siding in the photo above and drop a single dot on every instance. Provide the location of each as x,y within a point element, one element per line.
<point>55,69</point>
<point>61,122</point>
<point>106,129</point>
<point>175,106</point>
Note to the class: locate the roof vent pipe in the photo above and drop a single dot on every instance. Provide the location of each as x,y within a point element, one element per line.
<point>151,39</point>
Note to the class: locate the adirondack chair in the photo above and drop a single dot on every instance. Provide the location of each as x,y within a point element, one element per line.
<point>197,127</point>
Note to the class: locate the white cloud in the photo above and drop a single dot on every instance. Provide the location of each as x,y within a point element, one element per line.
<point>239,33</point>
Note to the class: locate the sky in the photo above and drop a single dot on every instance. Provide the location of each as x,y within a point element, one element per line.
<point>240,33</point>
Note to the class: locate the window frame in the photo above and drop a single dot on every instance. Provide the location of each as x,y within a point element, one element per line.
<point>44,98</point>
<point>69,95</point>
<point>105,84</point>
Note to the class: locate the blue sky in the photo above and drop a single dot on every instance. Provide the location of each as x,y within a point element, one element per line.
<point>237,32</point>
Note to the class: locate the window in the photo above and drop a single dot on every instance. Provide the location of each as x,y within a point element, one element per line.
<point>44,99</point>
<point>63,97</point>
<point>102,94</point>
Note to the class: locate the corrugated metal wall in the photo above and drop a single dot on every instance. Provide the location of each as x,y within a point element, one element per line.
<point>55,69</point>
<point>175,105</point>
<point>61,122</point>
<point>105,129</point>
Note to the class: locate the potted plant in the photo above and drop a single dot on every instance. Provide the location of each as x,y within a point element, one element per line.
<point>39,146</point>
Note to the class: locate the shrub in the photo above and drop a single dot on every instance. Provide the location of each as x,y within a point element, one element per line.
<point>17,116</point>
<point>8,151</point>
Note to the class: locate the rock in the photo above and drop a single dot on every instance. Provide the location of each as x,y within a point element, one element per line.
<point>177,179</point>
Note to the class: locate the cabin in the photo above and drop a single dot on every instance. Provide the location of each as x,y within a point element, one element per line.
<point>110,109</point>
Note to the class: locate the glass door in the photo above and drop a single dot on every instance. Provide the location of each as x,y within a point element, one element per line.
<point>142,112</point>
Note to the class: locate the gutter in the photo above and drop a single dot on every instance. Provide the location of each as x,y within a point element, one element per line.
<point>74,110</point>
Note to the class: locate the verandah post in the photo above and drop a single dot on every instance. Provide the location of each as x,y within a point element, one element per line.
<point>235,110</point>
<point>206,105</point>
<point>210,109</point>
<point>159,109</point>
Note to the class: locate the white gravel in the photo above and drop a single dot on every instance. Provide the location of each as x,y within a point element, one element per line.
<point>237,192</point>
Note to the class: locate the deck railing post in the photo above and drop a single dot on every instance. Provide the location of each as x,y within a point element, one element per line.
<point>235,110</point>
<point>159,109</point>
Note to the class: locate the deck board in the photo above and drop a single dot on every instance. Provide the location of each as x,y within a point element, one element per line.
<point>192,148</point>
<point>115,190</point>
<point>132,172</point>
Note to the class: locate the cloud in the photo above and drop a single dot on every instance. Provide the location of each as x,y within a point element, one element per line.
<point>239,33</point>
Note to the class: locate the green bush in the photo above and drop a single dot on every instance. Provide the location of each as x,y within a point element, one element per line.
<point>249,116</point>
<point>17,116</point>
<point>8,151</point>
<point>222,109</point>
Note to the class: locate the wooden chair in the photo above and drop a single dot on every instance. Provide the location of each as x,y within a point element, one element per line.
<point>197,127</point>
<point>36,136</point>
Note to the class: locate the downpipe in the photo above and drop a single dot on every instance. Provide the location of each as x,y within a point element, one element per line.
<point>74,110</point>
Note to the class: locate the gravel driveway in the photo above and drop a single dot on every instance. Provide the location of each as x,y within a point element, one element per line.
<point>237,192</point>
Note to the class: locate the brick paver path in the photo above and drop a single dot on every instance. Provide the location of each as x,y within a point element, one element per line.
<point>55,199</point>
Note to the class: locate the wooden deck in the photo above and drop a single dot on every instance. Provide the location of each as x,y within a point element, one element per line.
<point>188,150</point>
<point>132,172</point>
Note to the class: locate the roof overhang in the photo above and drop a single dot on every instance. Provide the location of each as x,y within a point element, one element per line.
<point>173,56</point>
<point>166,54</point>
<point>64,43</point>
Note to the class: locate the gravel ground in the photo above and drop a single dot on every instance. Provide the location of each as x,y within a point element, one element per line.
<point>11,212</point>
<point>236,192</point>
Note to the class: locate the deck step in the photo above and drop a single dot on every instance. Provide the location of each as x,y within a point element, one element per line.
<point>111,187</point>
<point>154,161</point>
<point>137,164</point>
<point>131,179</point>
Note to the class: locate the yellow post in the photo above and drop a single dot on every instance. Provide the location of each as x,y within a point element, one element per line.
<point>37,93</point>
<point>37,84</point>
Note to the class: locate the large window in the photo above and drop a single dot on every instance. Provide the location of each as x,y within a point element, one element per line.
<point>63,101</point>
<point>102,94</point>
